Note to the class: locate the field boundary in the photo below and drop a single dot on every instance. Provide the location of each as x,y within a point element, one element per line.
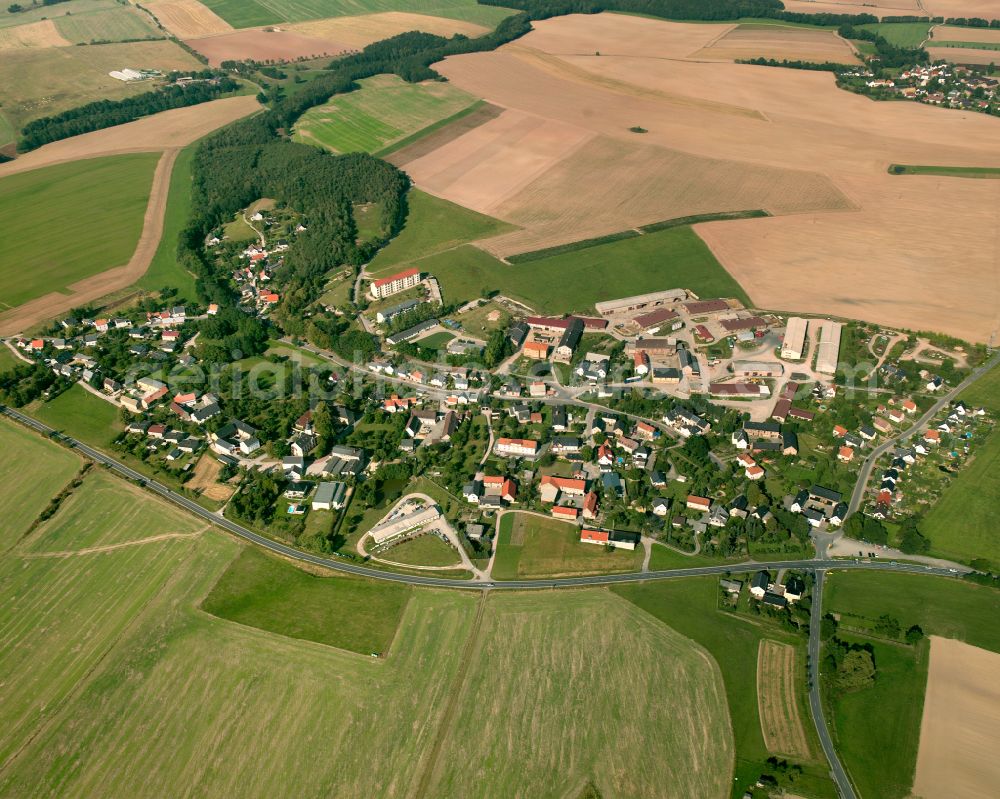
<point>426,131</point>
<point>631,233</point>
<point>973,172</point>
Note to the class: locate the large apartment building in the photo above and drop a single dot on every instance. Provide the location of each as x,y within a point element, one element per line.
<point>401,281</point>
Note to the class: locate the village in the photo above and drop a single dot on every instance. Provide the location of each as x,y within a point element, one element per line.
<point>943,84</point>
<point>709,427</point>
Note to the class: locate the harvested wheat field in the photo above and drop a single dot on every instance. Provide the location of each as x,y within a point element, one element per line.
<point>779,42</point>
<point>204,481</point>
<point>35,34</point>
<point>780,719</point>
<point>960,731</point>
<point>187,19</point>
<point>869,254</point>
<point>175,128</point>
<point>356,32</point>
<point>878,8</point>
<point>263,45</point>
<point>953,33</point>
<point>984,9</point>
<point>964,55</point>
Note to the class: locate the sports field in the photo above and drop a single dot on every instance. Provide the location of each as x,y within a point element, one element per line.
<point>540,676</point>
<point>424,550</point>
<point>962,525</point>
<point>667,259</point>
<point>690,606</point>
<point>433,225</point>
<point>67,222</point>
<point>32,471</point>
<point>247,13</point>
<point>384,110</point>
<point>44,81</point>
<point>881,758</point>
<point>530,547</point>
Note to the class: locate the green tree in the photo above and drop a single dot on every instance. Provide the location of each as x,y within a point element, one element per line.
<point>914,635</point>
<point>856,671</point>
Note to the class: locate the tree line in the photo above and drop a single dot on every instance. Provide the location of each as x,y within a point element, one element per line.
<point>107,113</point>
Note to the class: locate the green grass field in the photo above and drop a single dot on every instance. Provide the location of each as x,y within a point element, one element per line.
<point>689,606</point>
<point>901,34</point>
<point>7,19</point>
<point>424,550</point>
<point>67,222</point>
<point>33,470</point>
<point>670,258</point>
<point>261,591</point>
<point>81,415</point>
<point>546,669</point>
<point>962,523</point>
<point>985,392</point>
<point>247,13</point>
<point>106,511</point>
<point>8,360</point>
<point>881,757</point>
<point>7,132</point>
<point>384,110</point>
<point>530,547</point>
<point>436,341</point>
<point>432,226</point>
<point>977,172</point>
<point>164,270</point>
<point>41,81</point>
<point>118,24</point>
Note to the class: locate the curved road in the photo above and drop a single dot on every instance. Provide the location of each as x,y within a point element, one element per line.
<point>352,568</point>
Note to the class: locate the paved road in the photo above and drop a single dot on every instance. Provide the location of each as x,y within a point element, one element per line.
<point>866,469</point>
<point>352,568</point>
<point>815,700</point>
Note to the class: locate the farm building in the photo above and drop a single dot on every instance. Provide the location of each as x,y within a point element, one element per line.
<point>640,302</point>
<point>758,369</point>
<point>706,306</point>
<point>828,346</point>
<point>794,344</point>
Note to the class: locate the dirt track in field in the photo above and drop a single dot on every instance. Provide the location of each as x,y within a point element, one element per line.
<point>97,286</point>
<point>879,260</point>
<point>960,731</point>
<point>780,720</point>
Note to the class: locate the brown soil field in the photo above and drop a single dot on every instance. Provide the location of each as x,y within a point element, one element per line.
<point>953,33</point>
<point>960,731</point>
<point>780,719</point>
<point>985,9</point>
<point>964,55</point>
<point>879,261</point>
<point>878,8</point>
<point>628,178</point>
<point>186,19</point>
<point>494,161</point>
<point>263,45</point>
<point>175,128</point>
<point>779,42</point>
<point>35,34</point>
<point>206,472</point>
<point>442,136</point>
<point>356,32</point>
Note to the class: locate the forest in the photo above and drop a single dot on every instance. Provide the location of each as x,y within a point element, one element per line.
<point>107,113</point>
